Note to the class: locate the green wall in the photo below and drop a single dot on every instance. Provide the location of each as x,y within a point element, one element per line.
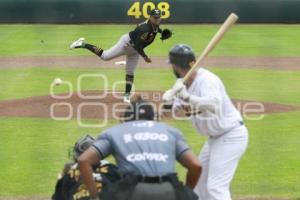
<point>116,11</point>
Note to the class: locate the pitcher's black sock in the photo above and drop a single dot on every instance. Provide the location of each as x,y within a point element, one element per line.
<point>129,81</point>
<point>96,50</point>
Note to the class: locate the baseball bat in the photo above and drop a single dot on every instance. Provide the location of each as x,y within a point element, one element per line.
<point>231,19</point>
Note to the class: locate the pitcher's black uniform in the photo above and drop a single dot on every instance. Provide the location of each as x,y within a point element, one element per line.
<point>131,45</point>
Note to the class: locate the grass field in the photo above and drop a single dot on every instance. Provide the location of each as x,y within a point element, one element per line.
<point>243,40</point>
<point>33,151</point>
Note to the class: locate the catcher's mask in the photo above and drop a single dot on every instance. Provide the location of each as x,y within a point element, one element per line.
<point>81,145</point>
<point>182,56</point>
<point>139,110</point>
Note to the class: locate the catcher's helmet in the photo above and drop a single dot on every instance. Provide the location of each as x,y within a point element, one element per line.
<point>182,55</point>
<point>139,110</point>
<point>81,145</point>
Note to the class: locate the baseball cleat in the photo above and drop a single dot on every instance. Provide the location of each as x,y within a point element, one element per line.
<point>78,43</point>
<point>126,98</point>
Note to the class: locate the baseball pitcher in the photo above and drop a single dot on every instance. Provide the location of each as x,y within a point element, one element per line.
<point>132,45</point>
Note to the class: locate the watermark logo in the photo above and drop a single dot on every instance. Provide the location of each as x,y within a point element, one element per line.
<point>108,104</point>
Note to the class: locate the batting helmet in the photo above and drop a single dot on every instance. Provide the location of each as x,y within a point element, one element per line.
<point>139,110</point>
<point>182,55</point>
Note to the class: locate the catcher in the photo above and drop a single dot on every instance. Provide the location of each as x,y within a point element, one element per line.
<point>132,45</point>
<point>69,186</point>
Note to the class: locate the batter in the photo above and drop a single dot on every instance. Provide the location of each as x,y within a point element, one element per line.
<point>213,115</point>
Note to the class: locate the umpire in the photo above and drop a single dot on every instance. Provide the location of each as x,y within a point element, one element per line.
<point>146,152</point>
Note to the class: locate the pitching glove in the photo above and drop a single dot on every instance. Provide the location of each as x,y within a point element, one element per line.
<point>165,34</point>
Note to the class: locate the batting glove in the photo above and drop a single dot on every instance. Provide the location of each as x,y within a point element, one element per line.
<point>178,86</point>
<point>169,95</point>
<point>184,94</point>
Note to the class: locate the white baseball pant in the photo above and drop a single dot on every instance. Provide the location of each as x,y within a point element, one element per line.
<point>123,47</point>
<point>219,158</point>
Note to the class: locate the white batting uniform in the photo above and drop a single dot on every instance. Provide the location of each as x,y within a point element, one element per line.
<point>228,138</point>
<point>123,47</point>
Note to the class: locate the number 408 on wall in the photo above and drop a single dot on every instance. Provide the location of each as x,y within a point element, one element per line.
<point>137,9</point>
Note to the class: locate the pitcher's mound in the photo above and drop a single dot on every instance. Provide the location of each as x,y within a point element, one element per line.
<point>101,105</point>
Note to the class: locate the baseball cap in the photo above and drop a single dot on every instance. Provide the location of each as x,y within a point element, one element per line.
<point>155,12</point>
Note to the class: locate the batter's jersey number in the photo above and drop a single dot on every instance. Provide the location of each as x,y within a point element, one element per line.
<point>137,9</point>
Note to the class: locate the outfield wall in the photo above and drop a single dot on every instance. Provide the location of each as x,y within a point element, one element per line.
<point>129,11</point>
